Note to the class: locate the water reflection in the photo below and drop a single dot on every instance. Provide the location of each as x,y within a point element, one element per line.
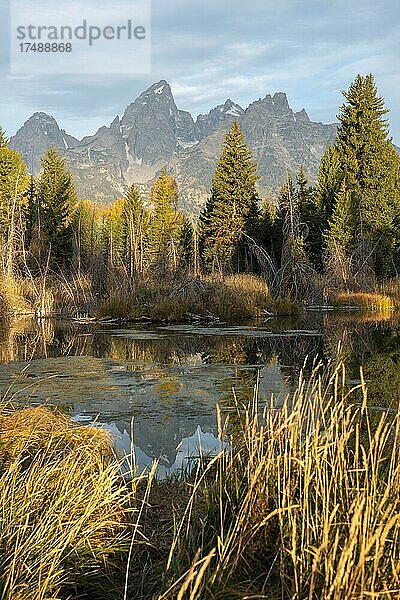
<point>169,379</point>
<point>201,444</point>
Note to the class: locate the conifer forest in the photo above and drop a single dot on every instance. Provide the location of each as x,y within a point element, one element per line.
<point>309,244</point>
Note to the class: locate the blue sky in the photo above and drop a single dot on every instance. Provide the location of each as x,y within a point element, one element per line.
<point>215,49</point>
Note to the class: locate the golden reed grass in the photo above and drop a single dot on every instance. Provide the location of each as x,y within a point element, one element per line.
<point>230,298</point>
<point>369,301</point>
<point>63,512</point>
<point>305,506</point>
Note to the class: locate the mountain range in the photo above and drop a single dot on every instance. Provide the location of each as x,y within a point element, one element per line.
<point>153,133</point>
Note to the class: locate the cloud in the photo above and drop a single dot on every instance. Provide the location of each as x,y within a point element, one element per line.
<point>209,51</point>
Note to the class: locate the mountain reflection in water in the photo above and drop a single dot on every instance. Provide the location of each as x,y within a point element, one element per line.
<point>167,380</point>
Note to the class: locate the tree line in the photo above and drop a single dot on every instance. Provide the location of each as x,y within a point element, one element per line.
<point>344,229</point>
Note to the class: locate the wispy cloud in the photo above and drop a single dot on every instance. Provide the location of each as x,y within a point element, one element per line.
<point>209,51</point>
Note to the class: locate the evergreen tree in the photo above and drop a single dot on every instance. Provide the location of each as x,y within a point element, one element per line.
<point>136,221</point>
<point>271,228</point>
<point>340,239</point>
<point>32,234</point>
<point>295,276</point>
<point>13,183</point>
<point>232,209</point>
<point>312,219</point>
<point>189,249</point>
<point>341,222</point>
<point>165,224</point>
<point>370,167</point>
<point>289,207</point>
<point>204,228</point>
<point>329,182</point>
<point>57,199</point>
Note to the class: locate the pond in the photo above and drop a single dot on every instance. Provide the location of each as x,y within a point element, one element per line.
<point>155,388</point>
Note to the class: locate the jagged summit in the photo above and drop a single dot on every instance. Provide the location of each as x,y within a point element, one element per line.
<point>153,132</point>
<point>280,100</point>
<point>42,116</point>
<point>41,121</point>
<point>302,116</point>
<point>37,135</point>
<point>233,109</point>
<point>153,127</point>
<point>160,88</point>
<point>159,92</point>
<point>277,103</point>
<point>220,115</point>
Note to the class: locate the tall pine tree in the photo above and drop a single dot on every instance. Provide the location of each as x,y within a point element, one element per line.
<point>57,200</point>
<point>369,165</point>
<point>114,236</point>
<point>340,239</point>
<point>312,219</point>
<point>232,209</point>
<point>88,228</point>
<point>329,182</point>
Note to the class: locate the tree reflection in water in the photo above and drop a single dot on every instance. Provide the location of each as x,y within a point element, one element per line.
<point>169,379</point>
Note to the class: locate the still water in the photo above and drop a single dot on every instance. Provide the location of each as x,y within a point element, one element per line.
<point>155,388</point>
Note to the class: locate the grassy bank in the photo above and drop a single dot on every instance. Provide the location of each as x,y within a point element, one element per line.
<point>305,505</point>
<point>66,520</point>
<point>46,296</point>
<point>369,302</point>
<point>385,299</point>
<point>230,298</point>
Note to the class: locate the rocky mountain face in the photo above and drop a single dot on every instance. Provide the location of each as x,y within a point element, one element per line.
<point>153,132</point>
<point>37,135</point>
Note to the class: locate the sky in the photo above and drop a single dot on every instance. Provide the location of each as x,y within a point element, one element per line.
<point>217,49</point>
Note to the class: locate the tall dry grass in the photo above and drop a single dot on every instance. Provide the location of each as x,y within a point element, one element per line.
<point>306,505</point>
<point>376,302</point>
<point>65,517</point>
<point>46,296</point>
<point>12,296</point>
<point>391,288</point>
<point>229,298</point>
